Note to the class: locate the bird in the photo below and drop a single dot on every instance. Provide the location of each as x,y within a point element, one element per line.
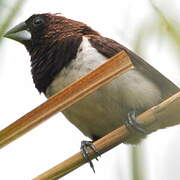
<point>62,50</point>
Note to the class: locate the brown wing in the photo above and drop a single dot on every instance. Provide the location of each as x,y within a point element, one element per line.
<point>109,48</point>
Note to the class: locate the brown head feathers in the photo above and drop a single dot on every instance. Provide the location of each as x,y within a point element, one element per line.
<point>54,43</point>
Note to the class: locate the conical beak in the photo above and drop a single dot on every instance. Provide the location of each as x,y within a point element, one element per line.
<point>19,33</point>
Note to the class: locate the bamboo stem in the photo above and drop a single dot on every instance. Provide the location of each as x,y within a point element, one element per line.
<point>164,115</point>
<point>104,144</point>
<point>112,68</point>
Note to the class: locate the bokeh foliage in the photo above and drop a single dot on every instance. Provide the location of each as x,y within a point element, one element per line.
<point>163,26</point>
<point>8,12</point>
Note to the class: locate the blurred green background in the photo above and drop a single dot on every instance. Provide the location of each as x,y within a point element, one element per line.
<point>154,36</point>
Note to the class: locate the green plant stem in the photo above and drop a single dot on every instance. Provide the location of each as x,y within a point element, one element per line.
<point>137,163</point>
<point>10,17</point>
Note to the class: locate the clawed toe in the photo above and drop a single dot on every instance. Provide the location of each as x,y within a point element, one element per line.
<point>131,123</point>
<point>85,152</point>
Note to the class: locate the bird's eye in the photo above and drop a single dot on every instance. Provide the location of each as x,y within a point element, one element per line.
<point>38,21</point>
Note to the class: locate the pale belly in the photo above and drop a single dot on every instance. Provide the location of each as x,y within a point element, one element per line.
<point>96,115</point>
<point>107,108</point>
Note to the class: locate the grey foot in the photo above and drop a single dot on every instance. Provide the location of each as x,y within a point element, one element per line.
<point>85,152</point>
<point>132,124</point>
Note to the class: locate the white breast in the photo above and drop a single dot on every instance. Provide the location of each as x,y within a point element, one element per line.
<point>86,60</point>
<point>107,108</point>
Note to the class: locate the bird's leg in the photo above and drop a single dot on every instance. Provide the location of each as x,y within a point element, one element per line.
<point>131,123</point>
<point>85,152</point>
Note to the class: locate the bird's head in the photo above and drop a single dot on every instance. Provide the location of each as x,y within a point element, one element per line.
<point>52,41</point>
<point>46,28</point>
